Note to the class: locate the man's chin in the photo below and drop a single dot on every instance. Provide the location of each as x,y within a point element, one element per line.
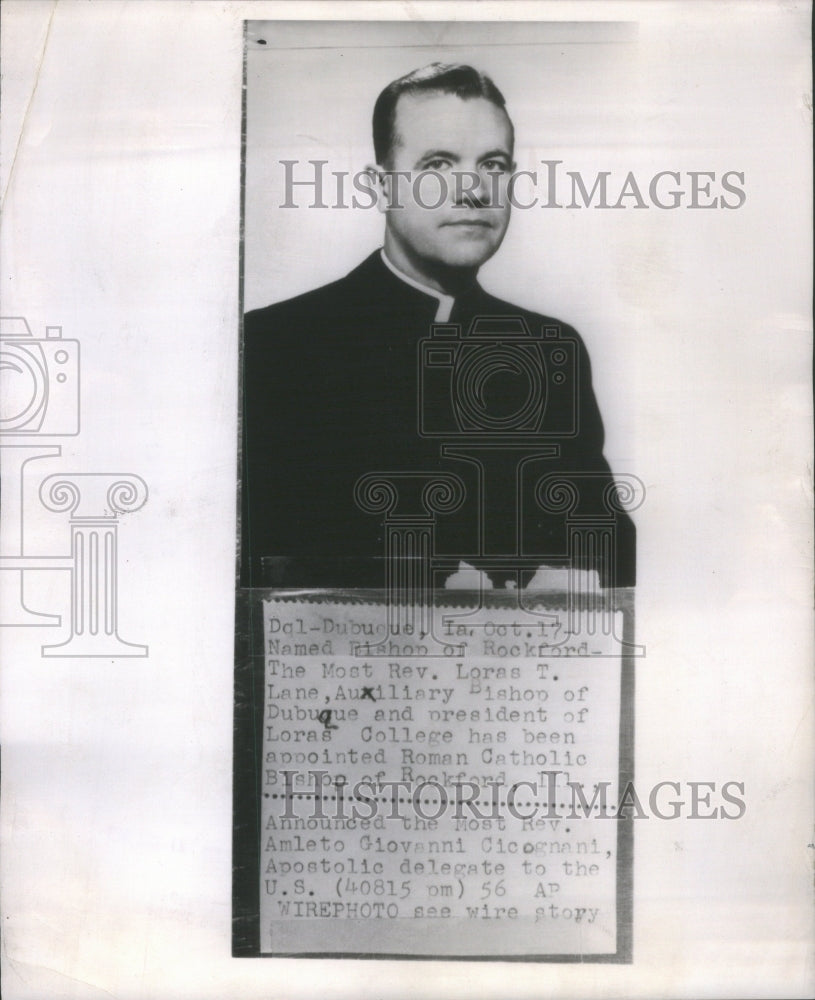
<point>468,255</point>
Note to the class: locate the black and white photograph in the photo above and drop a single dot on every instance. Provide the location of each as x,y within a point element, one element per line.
<point>406,364</point>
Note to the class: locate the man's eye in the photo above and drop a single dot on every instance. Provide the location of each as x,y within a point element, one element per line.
<point>436,164</point>
<point>495,165</point>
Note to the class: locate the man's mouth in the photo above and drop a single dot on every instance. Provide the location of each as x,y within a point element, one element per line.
<point>482,223</point>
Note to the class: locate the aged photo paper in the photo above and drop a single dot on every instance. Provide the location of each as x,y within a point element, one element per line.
<point>436,454</point>
<point>406,535</point>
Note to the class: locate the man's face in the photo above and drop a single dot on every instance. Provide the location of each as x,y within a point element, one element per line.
<point>468,144</point>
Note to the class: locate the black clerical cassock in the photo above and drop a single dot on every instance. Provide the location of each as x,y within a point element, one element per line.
<point>352,379</point>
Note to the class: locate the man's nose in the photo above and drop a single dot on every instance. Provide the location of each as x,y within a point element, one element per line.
<point>472,189</point>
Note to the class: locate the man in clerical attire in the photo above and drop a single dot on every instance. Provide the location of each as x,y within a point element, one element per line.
<point>407,365</point>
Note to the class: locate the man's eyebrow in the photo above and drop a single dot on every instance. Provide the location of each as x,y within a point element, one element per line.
<point>495,152</point>
<point>432,154</point>
<point>445,154</point>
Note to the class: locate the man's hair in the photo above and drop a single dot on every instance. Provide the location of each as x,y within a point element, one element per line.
<point>444,78</point>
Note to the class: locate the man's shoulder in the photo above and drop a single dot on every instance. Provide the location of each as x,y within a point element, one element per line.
<point>491,306</point>
<point>312,303</point>
<point>311,307</point>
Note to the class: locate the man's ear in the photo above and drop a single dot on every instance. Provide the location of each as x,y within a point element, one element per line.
<point>382,182</point>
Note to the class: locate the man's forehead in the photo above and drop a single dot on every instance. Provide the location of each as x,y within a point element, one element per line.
<point>460,124</point>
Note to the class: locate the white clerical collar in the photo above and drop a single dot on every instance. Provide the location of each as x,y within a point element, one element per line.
<point>446,302</point>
